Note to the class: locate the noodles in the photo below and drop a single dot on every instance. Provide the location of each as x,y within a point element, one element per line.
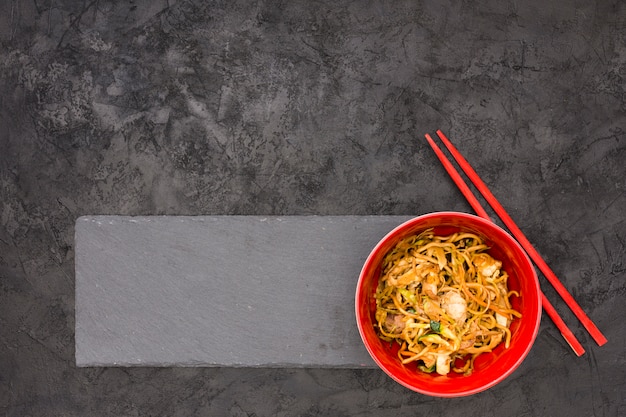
<point>444,300</point>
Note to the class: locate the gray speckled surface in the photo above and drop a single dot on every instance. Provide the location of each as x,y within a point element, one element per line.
<point>300,108</point>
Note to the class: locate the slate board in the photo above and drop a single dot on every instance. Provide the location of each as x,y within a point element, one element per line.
<point>251,291</point>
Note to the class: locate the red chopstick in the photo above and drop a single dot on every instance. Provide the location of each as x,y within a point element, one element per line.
<point>521,238</point>
<point>547,306</point>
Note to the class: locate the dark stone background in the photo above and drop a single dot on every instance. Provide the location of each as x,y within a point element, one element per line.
<point>307,107</point>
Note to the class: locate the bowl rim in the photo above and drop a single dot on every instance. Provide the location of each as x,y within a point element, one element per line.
<point>360,298</point>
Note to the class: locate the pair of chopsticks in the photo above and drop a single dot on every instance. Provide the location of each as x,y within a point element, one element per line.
<point>522,240</point>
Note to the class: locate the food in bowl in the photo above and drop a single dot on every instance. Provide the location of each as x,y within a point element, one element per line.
<point>489,368</point>
<point>444,300</point>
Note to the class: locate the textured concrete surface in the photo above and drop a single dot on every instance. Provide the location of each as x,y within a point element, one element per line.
<point>270,291</point>
<point>297,108</point>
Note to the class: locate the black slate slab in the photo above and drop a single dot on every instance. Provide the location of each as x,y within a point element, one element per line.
<point>221,290</point>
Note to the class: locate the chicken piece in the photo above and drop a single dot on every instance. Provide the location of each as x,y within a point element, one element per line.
<point>443,364</point>
<point>429,287</point>
<point>501,320</point>
<point>455,306</point>
<point>394,323</point>
<point>486,265</point>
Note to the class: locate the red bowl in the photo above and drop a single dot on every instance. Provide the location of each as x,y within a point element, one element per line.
<point>489,368</point>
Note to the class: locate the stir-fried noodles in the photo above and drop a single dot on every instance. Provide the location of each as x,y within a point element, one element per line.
<point>444,300</point>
